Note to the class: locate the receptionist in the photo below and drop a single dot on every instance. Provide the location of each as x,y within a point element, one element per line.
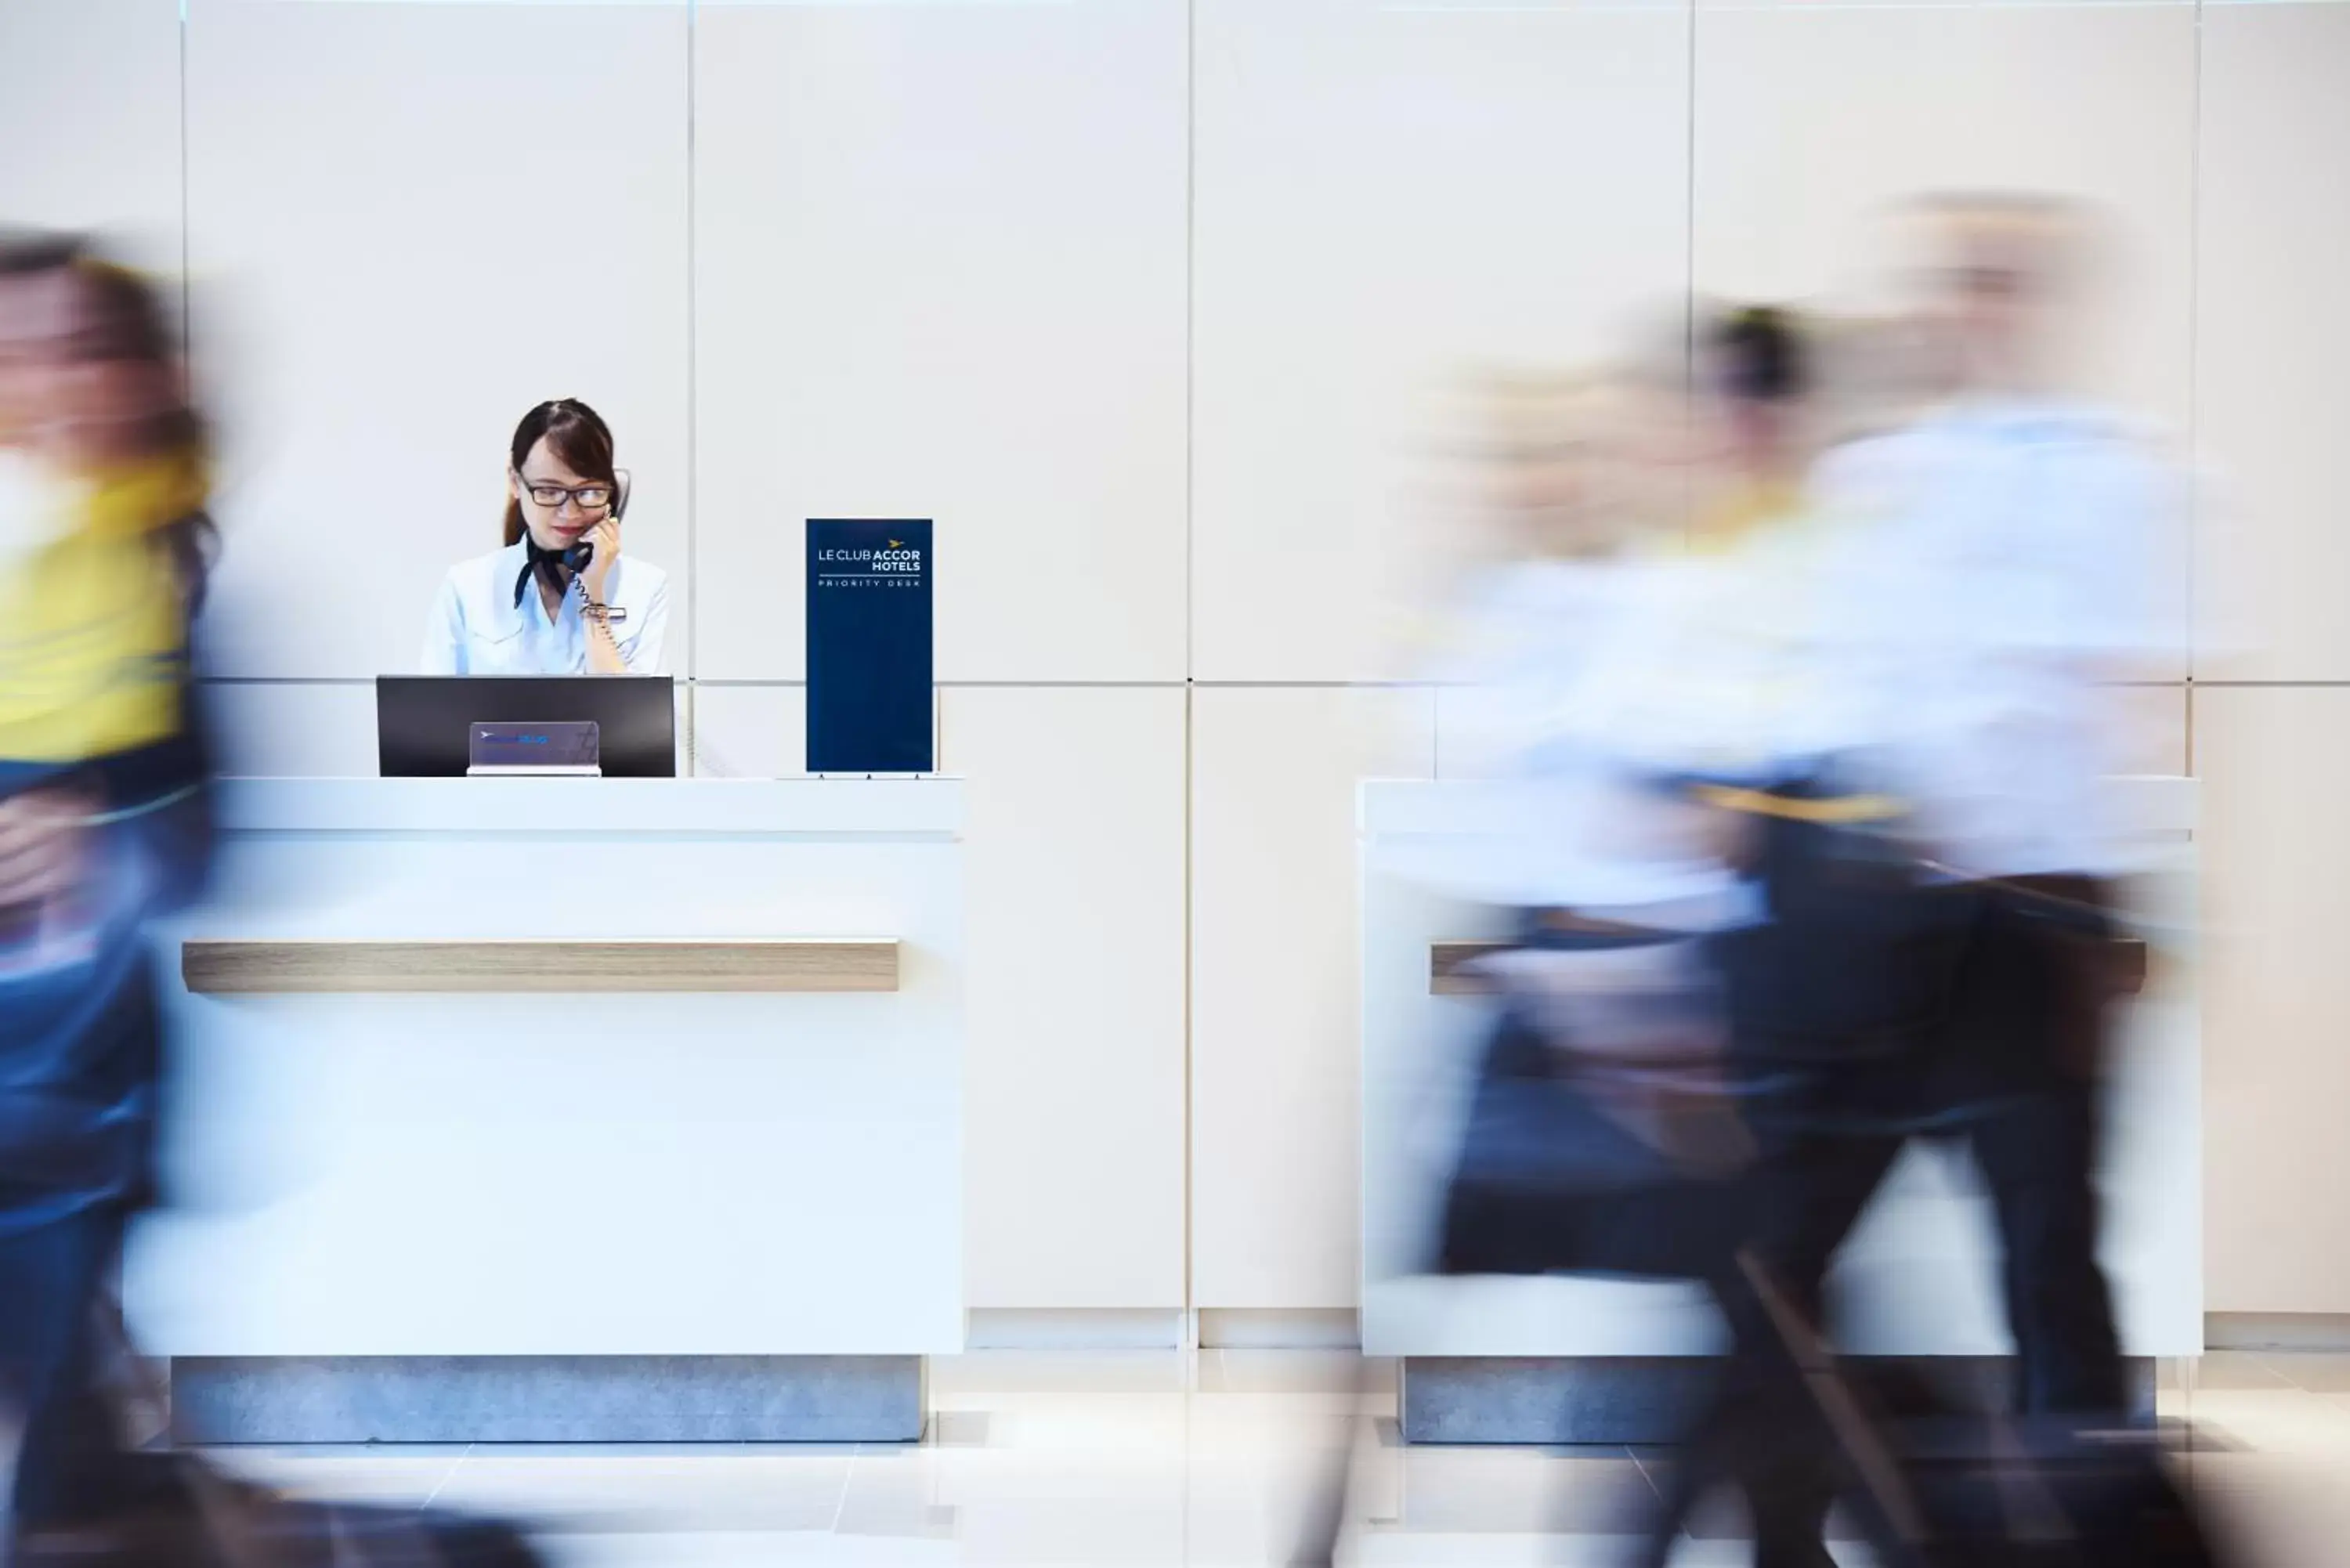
<point>560,598</point>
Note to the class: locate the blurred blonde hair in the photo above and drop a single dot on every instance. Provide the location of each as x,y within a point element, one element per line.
<point>1563,470</point>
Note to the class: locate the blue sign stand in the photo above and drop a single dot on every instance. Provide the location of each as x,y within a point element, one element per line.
<point>869,647</point>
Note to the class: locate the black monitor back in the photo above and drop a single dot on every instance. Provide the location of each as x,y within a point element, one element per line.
<point>423,723</point>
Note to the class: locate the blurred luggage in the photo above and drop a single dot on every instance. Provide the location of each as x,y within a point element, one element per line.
<point>1938,1488</point>
<point>1995,1497</point>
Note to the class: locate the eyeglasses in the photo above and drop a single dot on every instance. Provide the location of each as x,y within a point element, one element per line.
<point>586,497</point>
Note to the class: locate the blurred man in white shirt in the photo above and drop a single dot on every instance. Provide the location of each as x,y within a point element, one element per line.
<point>2009,583</point>
<point>2032,530</point>
<point>1996,573</point>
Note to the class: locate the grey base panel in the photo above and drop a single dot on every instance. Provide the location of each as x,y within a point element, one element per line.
<point>1632,1399</point>
<point>548,1399</point>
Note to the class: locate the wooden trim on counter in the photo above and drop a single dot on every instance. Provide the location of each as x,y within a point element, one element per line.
<point>1448,961</point>
<point>225,966</point>
<point>1448,968</point>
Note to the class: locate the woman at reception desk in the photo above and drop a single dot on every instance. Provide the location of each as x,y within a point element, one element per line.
<point>559,599</point>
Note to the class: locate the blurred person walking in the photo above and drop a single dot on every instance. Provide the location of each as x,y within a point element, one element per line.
<point>104,820</point>
<point>1938,958</point>
<point>1744,692</point>
<point>105,825</point>
<point>2022,538</point>
<point>1657,627</point>
<point>1578,477</point>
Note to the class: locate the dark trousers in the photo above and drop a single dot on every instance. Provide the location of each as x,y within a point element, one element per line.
<point>2037,988</point>
<point>2038,1156</point>
<point>2037,1153</point>
<point>51,1279</point>
<point>1766,1430</point>
<point>2009,1059</point>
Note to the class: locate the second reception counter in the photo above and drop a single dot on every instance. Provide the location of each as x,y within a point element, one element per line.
<point>1596,1360</point>
<point>564,1109</point>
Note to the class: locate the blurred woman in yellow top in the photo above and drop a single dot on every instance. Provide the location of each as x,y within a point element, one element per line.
<point>1753,416</point>
<point>1742,657</point>
<point>103,814</point>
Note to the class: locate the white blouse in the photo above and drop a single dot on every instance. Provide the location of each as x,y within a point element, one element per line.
<point>477,628</point>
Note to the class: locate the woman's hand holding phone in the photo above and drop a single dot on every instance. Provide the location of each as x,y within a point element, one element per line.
<point>606,538</point>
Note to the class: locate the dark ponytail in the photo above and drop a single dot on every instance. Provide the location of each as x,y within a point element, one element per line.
<point>1759,357</point>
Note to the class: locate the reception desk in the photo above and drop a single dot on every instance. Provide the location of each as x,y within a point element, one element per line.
<point>1581,1360</point>
<point>564,1109</point>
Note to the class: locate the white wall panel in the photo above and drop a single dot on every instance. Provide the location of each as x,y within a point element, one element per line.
<point>90,117</point>
<point>2277,858</point>
<point>1811,120</point>
<point>939,252</point>
<point>2273,335</point>
<point>1387,196</point>
<point>420,220</point>
<point>1275,1057</point>
<point>750,732</point>
<point>1075,870</point>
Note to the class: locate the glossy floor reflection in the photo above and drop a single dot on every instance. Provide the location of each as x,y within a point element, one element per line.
<point>1162,1459</point>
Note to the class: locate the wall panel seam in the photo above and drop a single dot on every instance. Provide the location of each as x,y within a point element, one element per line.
<point>692,347</point>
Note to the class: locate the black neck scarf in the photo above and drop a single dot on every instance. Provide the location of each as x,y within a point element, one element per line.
<point>547,563</point>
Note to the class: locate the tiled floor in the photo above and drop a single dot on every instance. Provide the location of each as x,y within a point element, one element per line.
<point>1159,1459</point>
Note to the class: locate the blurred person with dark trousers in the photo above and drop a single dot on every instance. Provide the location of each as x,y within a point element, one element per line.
<point>1576,479</point>
<point>2022,534</point>
<point>1744,692</point>
<point>1938,957</point>
<point>104,821</point>
<point>559,599</point>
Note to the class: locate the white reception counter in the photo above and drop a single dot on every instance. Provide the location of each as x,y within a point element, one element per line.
<point>1919,1278</point>
<point>481,1077</point>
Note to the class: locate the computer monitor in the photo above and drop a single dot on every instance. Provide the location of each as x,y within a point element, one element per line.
<point>424,724</point>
